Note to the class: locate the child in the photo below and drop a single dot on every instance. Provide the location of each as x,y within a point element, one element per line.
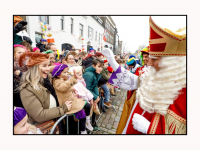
<point>18,51</point>
<point>63,84</point>
<point>20,123</point>
<point>105,85</point>
<point>92,76</point>
<point>36,50</point>
<point>80,87</point>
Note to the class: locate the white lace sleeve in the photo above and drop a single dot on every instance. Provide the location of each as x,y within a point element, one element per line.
<point>124,79</point>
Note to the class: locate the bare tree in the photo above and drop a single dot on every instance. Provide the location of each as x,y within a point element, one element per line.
<point>125,48</point>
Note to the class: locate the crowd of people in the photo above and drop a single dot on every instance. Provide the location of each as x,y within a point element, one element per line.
<point>49,84</point>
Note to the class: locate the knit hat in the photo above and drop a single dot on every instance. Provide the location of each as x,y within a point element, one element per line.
<point>76,68</point>
<point>131,61</point>
<point>18,45</point>
<point>17,19</point>
<point>19,114</point>
<point>43,40</point>
<point>105,61</point>
<point>35,48</point>
<point>58,69</point>
<point>131,56</point>
<point>48,51</point>
<point>110,69</point>
<point>33,59</point>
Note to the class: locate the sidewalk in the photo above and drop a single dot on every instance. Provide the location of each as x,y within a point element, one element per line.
<point>109,120</point>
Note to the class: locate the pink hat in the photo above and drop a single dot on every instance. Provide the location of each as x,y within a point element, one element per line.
<point>35,48</point>
<point>17,45</point>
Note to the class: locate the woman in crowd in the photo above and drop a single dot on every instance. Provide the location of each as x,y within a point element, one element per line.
<point>18,71</point>
<point>37,93</point>
<point>36,50</point>
<point>70,62</point>
<point>27,45</point>
<point>51,56</point>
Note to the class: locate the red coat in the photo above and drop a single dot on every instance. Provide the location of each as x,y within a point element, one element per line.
<point>139,69</point>
<point>174,122</point>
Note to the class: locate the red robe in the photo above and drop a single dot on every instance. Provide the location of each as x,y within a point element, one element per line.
<point>174,122</point>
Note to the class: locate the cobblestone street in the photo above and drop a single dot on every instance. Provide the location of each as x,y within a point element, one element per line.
<point>109,120</point>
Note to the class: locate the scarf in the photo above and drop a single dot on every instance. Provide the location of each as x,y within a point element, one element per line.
<point>50,88</point>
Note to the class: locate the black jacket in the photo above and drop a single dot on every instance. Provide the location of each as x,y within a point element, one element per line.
<point>88,62</point>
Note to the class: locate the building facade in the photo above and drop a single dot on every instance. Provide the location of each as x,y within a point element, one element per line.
<point>67,31</point>
<point>109,25</point>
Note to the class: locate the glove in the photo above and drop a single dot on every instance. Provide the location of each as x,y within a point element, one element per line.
<point>20,26</point>
<point>41,46</point>
<point>140,123</point>
<point>110,57</point>
<point>27,39</point>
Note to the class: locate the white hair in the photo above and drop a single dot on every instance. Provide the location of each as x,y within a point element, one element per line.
<point>160,88</point>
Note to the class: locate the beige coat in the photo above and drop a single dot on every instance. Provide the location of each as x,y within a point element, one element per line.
<point>37,103</point>
<point>64,91</point>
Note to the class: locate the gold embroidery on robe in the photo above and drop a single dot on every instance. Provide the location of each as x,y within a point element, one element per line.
<point>155,124</point>
<point>174,122</point>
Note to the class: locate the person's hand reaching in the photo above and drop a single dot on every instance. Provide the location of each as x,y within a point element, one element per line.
<point>68,104</point>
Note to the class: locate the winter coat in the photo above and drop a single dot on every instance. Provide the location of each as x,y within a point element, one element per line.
<point>91,79</point>
<point>88,61</point>
<point>104,74</point>
<point>64,91</point>
<point>36,104</point>
<point>104,77</point>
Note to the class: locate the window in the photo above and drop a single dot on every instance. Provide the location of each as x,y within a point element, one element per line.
<point>96,36</point>
<point>99,37</point>
<point>62,22</point>
<point>81,30</point>
<point>44,19</point>
<point>38,37</point>
<point>72,22</point>
<point>90,33</point>
<point>108,37</point>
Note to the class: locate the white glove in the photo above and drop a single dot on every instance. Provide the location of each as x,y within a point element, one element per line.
<point>110,57</point>
<point>140,123</point>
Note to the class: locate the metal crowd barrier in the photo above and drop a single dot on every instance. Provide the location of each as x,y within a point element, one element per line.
<point>67,123</point>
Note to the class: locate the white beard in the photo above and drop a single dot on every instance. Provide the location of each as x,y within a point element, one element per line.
<point>159,89</point>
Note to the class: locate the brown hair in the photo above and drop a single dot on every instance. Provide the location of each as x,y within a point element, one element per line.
<point>73,53</point>
<point>66,57</point>
<point>82,53</point>
<point>123,61</point>
<point>98,61</point>
<point>119,61</point>
<point>27,45</point>
<point>48,47</point>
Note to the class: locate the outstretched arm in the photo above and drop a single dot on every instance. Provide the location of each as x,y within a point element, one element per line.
<point>120,77</point>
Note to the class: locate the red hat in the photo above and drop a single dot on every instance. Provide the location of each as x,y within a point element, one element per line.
<point>164,42</point>
<point>110,69</point>
<point>105,61</point>
<point>99,54</point>
<point>33,59</point>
